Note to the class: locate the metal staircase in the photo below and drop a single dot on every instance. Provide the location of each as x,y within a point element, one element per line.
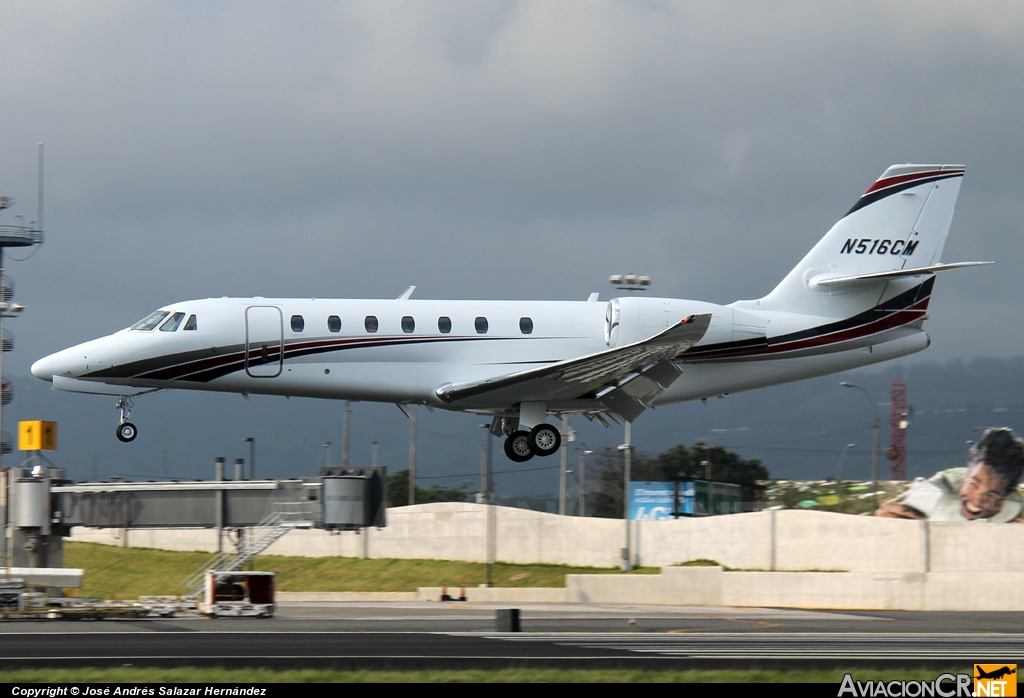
<point>284,517</point>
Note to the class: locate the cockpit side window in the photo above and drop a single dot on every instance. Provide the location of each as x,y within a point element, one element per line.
<point>147,323</point>
<point>191,324</point>
<point>172,323</point>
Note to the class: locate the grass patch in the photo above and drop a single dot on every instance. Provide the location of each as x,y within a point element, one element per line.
<point>128,573</point>
<point>260,676</point>
<point>700,562</point>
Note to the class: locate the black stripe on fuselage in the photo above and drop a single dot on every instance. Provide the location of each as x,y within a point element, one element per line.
<point>199,366</point>
<point>751,347</point>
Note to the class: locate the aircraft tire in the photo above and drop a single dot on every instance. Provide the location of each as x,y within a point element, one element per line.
<point>545,439</point>
<point>126,432</point>
<point>518,448</point>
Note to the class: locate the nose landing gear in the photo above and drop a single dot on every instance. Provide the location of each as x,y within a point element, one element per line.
<point>126,431</point>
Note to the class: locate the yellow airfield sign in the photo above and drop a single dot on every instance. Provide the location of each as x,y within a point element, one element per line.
<point>37,435</point>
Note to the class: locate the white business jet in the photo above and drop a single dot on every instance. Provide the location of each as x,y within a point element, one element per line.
<point>859,297</point>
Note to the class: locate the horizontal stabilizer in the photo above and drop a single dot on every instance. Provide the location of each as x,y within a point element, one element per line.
<point>826,280</point>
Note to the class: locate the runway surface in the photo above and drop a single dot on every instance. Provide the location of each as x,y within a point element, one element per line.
<point>436,635</point>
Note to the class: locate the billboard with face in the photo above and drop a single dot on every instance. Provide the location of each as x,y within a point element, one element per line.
<point>984,491</point>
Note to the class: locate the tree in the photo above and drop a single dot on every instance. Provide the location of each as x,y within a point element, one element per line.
<point>677,462</point>
<point>725,466</point>
<point>398,491</point>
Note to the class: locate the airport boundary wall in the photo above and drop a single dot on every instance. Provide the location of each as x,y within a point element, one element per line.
<point>769,541</point>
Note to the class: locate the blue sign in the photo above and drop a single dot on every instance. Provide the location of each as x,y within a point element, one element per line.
<point>654,501</point>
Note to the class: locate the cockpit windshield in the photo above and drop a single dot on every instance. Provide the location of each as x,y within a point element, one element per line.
<point>147,323</point>
<point>172,323</point>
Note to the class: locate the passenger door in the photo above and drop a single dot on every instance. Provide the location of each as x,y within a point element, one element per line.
<point>264,341</point>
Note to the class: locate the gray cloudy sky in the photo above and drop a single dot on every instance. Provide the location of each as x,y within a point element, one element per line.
<point>494,149</point>
<point>479,150</point>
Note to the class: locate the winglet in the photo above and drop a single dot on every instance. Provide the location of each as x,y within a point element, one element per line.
<point>407,294</point>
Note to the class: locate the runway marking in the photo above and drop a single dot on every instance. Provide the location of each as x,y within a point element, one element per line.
<point>762,623</point>
<point>796,645</point>
<point>127,659</point>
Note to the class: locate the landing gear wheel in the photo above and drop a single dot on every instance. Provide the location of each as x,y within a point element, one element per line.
<point>517,447</point>
<point>545,439</point>
<point>127,432</point>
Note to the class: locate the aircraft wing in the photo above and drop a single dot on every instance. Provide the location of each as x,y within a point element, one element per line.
<point>624,379</point>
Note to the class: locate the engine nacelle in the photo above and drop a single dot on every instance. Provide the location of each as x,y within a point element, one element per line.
<point>628,320</point>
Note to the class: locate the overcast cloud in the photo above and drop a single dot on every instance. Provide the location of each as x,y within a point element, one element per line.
<point>494,149</point>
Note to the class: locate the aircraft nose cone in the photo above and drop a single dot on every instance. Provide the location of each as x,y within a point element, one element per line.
<point>43,368</point>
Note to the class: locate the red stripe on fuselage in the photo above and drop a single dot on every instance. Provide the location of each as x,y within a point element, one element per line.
<point>895,319</point>
<point>184,370</point>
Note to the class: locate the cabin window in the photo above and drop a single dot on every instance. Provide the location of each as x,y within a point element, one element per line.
<point>481,325</point>
<point>191,323</point>
<point>370,323</point>
<point>150,321</point>
<point>526,325</point>
<point>444,324</point>
<point>298,324</point>
<point>408,324</point>
<point>334,323</point>
<point>172,323</point>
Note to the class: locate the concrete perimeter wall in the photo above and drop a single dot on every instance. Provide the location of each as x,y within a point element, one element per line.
<point>713,586</point>
<point>768,540</point>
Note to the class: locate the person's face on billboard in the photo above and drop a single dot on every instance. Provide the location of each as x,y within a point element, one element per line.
<point>983,492</point>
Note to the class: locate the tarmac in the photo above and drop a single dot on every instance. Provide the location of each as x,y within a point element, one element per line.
<point>435,635</point>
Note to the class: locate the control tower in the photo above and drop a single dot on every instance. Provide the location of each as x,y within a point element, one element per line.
<point>16,234</point>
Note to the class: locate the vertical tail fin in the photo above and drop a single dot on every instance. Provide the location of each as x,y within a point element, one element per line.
<point>901,222</point>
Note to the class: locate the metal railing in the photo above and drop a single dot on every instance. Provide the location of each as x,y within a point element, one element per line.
<point>284,517</point>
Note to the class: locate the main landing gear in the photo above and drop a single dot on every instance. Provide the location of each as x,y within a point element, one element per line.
<point>542,440</point>
<point>126,431</point>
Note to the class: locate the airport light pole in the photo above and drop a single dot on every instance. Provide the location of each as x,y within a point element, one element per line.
<point>7,309</point>
<point>252,456</point>
<point>627,558</point>
<point>568,435</point>
<point>582,479</point>
<point>839,477</point>
<point>346,434</point>
<point>628,282</point>
<point>875,438</point>
<point>412,454</point>
<point>488,492</point>
<point>16,236</point>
